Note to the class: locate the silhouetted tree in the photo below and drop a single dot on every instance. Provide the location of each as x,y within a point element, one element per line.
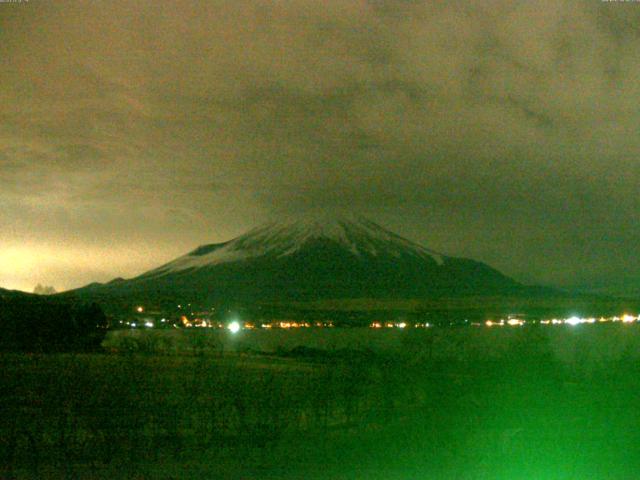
<point>90,325</point>
<point>38,324</point>
<point>44,290</point>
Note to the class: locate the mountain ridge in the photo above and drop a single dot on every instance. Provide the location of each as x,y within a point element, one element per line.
<point>305,260</point>
<point>360,236</point>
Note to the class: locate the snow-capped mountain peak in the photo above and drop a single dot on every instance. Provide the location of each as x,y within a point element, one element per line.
<point>356,235</point>
<point>310,259</point>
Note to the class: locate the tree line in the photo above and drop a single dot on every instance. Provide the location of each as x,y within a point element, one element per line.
<point>34,324</point>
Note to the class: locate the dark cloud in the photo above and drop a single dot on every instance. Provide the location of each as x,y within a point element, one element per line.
<point>501,130</point>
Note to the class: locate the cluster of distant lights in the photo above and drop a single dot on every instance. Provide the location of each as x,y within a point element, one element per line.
<point>511,321</point>
<point>573,321</point>
<point>235,326</point>
<point>148,323</point>
<point>400,325</point>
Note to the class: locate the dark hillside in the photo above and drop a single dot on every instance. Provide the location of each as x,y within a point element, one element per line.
<point>31,323</point>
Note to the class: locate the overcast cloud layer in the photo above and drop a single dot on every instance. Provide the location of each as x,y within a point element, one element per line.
<point>506,131</point>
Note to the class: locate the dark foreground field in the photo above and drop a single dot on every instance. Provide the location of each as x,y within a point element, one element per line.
<point>521,403</point>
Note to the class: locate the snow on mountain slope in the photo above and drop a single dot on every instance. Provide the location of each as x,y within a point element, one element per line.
<point>309,259</point>
<point>358,236</point>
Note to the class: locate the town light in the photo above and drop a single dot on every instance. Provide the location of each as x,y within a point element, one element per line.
<point>234,327</point>
<point>573,321</point>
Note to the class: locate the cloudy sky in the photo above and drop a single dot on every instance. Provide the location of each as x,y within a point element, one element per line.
<point>506,131</point>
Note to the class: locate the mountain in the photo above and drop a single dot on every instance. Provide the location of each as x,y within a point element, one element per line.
<point>310,259</point>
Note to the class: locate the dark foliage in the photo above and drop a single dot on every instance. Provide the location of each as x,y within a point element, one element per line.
<point>35,324</point>
<point>514,412</point>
